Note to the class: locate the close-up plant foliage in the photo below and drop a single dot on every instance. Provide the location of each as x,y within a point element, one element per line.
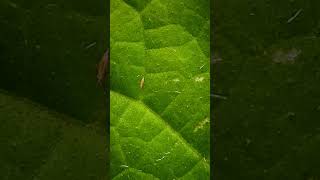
<point>160,89</point>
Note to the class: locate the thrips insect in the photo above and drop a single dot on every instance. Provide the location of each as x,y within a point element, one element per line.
<point>142,83</point>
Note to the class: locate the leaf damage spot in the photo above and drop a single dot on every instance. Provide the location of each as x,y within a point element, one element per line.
<point>178,92</point>
<point>201,125</point>
<point>164,156</point>
<point>286,57</point>
<point>176,80</point>
<point>199,79</point>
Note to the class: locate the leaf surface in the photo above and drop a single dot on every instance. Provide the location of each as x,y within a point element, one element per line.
<point>160,116</point>
<point>37,143</point>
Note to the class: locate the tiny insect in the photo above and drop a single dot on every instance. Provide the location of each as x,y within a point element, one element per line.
<point>102,69</point>
<point>142,83</point>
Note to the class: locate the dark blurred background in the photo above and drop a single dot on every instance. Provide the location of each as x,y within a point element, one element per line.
<point>49,51</point>
<point>52,113</point>
<point>267,64</point>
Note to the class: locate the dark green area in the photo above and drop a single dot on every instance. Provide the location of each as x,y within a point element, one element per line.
<point>268,67</point>
<point>48,55</point>
<point>37,143</point>
<point>49,51</point>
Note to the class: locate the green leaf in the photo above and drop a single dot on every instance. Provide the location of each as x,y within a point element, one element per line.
<point>37,143</point>
<point>160,127</point>
<point>50,52</point>
<point>268,128</point>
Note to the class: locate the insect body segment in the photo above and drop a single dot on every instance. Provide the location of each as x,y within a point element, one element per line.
<point>142,83</point>
<point>102,69</point>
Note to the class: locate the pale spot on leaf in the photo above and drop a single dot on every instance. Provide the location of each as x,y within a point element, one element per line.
<point>201,125</point>
<point>286,57</point>
<point>199,79</point>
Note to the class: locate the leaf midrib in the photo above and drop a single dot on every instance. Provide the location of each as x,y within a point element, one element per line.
<point>195,151</point>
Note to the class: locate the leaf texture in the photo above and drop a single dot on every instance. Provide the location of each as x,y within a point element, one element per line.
<point>160,83</point>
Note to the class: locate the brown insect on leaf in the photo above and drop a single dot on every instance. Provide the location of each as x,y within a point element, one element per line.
<point>102,69</point>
